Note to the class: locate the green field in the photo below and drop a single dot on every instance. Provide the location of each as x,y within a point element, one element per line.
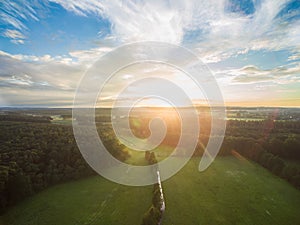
<point>231,191</point>
<point>58,119</point>
<point>85,202</point>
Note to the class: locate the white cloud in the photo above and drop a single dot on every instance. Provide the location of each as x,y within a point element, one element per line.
<point>134,21</point>
<point>220,34</point>
<point>84,56</point>
<point>294,57</point>
<point>17,41</point>
<point>21,71</point>
<point>40,59</point>
<point>253,74</point>
<point>14,14</point>
<point>16,36</point>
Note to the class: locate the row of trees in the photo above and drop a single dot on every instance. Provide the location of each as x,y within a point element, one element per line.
<point>154,214</point>
<point>281,138</point>
<point>277,165</point>
<point>254,150</point>
<point>287,146</point>
<point>273,144</point>
<point>25,118</point>
<point>265,124</point>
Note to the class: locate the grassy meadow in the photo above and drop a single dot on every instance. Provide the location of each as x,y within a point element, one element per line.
<point>231,191</point>
<point>90,201</point>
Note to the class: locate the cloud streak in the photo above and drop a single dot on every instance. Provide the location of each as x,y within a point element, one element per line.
<point>218,32</point>
<point>15,14</point>
<point>253,74</point>
<point>216,29</point>
<point>16,36</point>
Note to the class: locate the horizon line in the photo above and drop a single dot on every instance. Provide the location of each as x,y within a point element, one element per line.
<point>147,106</point>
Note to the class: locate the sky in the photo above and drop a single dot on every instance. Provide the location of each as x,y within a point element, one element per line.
<point>251,47</point>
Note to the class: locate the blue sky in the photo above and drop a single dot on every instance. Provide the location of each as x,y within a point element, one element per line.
<point>57,33</point>
<point>251,46</point>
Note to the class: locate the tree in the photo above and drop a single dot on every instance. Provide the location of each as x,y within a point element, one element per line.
<point>18,187</point>
<point>277,165</point>
<point>147,155</point>
<point>156,200</point>
<point>152,216</point>
<point>289,172</point>
<point>296,180</point>
<point>152,159</point>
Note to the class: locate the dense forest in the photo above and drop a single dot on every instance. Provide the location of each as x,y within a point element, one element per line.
<point>273,144</point>
<point>35,153</point>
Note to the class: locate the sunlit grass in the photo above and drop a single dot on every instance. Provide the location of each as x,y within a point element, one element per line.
<point>90,201</point>
<point>229,192</point>
<point>138,157</point>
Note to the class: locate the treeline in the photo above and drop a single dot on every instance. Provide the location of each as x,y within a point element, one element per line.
<point>287,147</point>
<point>34,156</point>
<point>263,154</point>
<point>262,129</point>
<point>274,145</point>
<point>25,118</point>
<point>277,137</point>
<point>154,214</point>
<point>268,123</point>
<point>110,141</point>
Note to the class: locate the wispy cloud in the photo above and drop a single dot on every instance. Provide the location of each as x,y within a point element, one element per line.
<point>253,74</point>
<point>216,29</point>
<point>89,56</point>
<point>134,20</point>
<point>219,28</point>
<point>14,15</point>
<point>16,36</point>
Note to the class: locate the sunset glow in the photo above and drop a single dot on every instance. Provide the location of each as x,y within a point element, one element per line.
<point>252,50</point>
